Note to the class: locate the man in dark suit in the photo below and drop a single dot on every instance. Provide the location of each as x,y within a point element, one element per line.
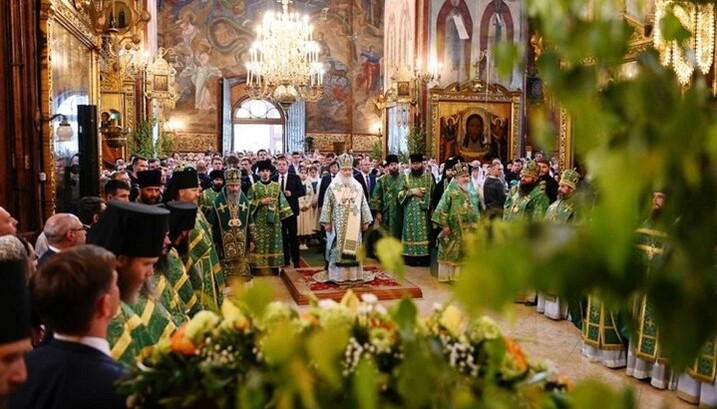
<point>293,189</point>
<point>76,293</point>
<point>323,186</point>
<point>261,155</point>
<point>63,231</point>
<point>326,181</point>
<point>366,178</point>
<point>15,305</point>
<point>295,163</point>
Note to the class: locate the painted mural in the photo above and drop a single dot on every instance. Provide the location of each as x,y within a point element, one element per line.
<point>350,33</point>
<point>464,34</point>
<point>211,39</point>
<point>400,40</point>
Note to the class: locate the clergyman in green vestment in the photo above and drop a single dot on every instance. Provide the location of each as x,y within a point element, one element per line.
<point>182,218</point>
<point>457,213</point>
<point>268,208</point>
<point>384,199</point>
<point>561,212</point>
<point>201,259</point>
<point>527,200</point>
<point>345,215</point>
<point>136,234</point>
<point>415,197</point>
<point>206,201</point>
<point>644,354</point>
<point>233,227</point>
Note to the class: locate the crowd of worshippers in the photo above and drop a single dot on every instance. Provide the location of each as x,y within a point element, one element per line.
<point>120,276</point>
<point>240,195</point>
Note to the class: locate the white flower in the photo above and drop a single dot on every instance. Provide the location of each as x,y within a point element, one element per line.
<point>484,328</point>
<point>202,323</point>
<point>369,298</point>
<point>338,317</point>
<point>327,303</point>
<point>437,306</point>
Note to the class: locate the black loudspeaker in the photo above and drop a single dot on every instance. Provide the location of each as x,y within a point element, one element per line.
<point>89,153</point>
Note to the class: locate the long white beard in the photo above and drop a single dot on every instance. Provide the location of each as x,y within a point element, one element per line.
<point>345,180</point>
<point>232,197</point>
<point>465,186</point>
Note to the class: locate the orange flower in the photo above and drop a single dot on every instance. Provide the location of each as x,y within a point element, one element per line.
<point>513,349</point>
<point>310,318</point>
<point>181,345</point>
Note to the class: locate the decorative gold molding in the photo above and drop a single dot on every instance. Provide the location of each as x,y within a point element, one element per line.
<point>480,93</point>
<point>59,12</point>
<point>194,142</point>
<point>565,141</point>
<point>72,20</point>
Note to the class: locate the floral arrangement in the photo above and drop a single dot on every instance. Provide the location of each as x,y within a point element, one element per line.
<point>355,353</point>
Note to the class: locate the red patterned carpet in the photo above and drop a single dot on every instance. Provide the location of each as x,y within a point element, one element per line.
<point>301,285</point>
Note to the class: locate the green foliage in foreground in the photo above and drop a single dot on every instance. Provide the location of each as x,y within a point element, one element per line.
<point>634,136</point>
<point>353,354</point>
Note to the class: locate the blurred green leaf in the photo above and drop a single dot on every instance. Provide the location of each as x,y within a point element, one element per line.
<point>389,251</point>
<point>365,388</point>
<point>257,297</point>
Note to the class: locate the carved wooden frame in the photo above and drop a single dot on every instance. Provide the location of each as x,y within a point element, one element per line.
<point>60,12</point>
<point>480,95</point>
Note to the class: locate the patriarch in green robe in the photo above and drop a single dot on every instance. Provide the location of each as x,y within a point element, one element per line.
<point>268,208</point>
<point>136,234</point>
<point>201,259</point>
<point>457,213</point>
<point>233,227</point>
<point>345,215</point>
<point>415,197</point>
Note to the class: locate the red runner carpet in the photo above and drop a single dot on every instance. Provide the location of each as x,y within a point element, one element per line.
<point>385,286</point>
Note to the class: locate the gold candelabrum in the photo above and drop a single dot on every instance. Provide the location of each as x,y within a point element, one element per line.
<point>697,50</point>
<point>284,59</point>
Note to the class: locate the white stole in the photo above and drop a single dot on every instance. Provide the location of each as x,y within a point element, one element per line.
<point>350,201</point>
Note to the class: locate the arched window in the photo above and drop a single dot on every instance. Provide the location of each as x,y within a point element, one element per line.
<point>257,124</point>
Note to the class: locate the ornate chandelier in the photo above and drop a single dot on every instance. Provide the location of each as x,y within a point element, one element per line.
<point>284,59</point>
<point>695,52</point>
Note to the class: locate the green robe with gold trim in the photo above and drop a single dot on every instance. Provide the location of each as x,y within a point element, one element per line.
<point>158,321</point>
<point>601,328</point>
<point>127,335</point>
<point>561,211</point>
<point>178,279</point>
<point>384,199</point>
<point>206,202</point>
<point>202,263</point>
<point>233,229</point>
<point>342,201</point>
<point>416,230</point>
<point>269,252</point>
<point>704,367</point>
<point>650,247</point>
<point>458,210</point>
<point>170,299</point>
<point>526,207</point>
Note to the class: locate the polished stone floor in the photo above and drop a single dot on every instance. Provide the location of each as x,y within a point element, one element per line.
<point>539,336</point>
